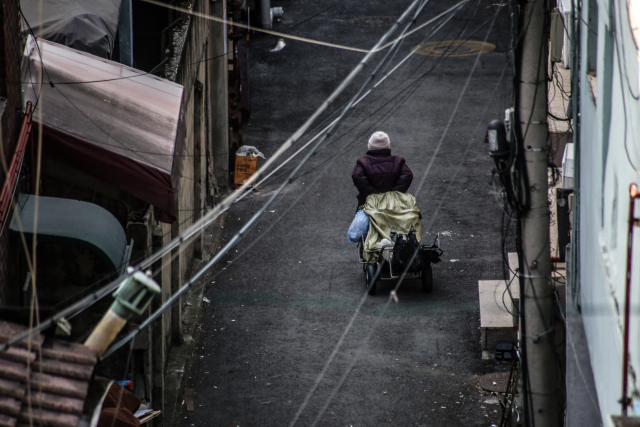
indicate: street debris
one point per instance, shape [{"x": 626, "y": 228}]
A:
[
  {"x": 277, "y": 12},
  {"x": 207, "y": 300},
  {"x": 492, "y": 400},
  {"x": 189, "y": 399},
  {"x": 279, "y": 46}
]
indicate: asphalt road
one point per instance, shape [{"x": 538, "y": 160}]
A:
[{"x": 289, "y": 333}]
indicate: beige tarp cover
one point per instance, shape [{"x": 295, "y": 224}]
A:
[{"x": 388, "y": 209}]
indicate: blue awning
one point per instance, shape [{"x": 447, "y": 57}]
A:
[{"x": 75, "y": 222}]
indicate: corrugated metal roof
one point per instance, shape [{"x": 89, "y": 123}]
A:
[{"x": 43, "y": 381}]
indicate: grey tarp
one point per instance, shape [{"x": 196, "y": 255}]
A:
[
  {"x": 87, "y": 25},
  {"x": 72, "y": 221},
  {"x": 392, "y": 208}
]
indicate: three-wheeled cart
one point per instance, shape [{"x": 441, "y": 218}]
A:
[{"x": 380, "y": 268}]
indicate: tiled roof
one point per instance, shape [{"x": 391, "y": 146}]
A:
[{"x": 42, "y": 382}]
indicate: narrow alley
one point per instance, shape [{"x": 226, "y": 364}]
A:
[{"x": 288, "y": 335}]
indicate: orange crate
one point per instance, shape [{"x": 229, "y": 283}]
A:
[{"x": 245, "y": 167}]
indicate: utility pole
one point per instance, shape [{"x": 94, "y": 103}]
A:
[{"x": 541, "y": 392}]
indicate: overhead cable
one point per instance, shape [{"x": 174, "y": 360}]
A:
[
  {"x": 387, "y": 74},
  {"x": 382, "y": 79},
  {"x": 254, "y": 218},
  {"x": 199, "y": 225},
  {"x": 385, "y": 307}
]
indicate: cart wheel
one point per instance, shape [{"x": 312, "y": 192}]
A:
[
  {"x": 369, "y": 282},
  {"x": 427, "y": 277}
]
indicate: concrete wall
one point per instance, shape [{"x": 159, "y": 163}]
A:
[
  {"x": 609, "y": 158},
  {"x": 203, "y": 173}
]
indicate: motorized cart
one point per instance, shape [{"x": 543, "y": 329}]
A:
[
  {"x": 394, "y": 220},
  {"x": 384, "y": 267}
]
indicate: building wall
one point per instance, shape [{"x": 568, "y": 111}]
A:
[
  {"x": 609, "y": 157},
  {"x": 205, "y": 115},
  {"x": 10, "y": 90},
  {"x": 10, "y": 59},
  {"x": 219, "y": 95}
]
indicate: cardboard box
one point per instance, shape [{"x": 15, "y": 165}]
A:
[{"x": 245, "y": 167}]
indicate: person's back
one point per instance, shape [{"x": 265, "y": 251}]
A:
[{"x": 379, "y": 171}]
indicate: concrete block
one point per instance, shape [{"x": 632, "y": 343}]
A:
[{"x": 496, "y": 323}]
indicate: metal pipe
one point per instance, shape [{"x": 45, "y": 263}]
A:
[
  {"x": 6, "y": 194},
  {"x": 624, "y": 400},
  {"x": 265, "y": 13}
]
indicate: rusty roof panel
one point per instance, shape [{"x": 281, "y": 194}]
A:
[
  {"x": 70, "y": 352},
  {"x": 56, "y": 402},
  {"x": 12, "y": 389},
  {"x": 69, "y": 370},
  {"x": 58, "y": 374},
  {"x": 7, "y": 421},
  {"x": 59, "y": 385},
  {"x": 13, "y": 371},
  {"x": 18, "y": 354},
  {"x": 42, "y": 417},
  {"x": 9, "y": 330},
  {"x": 10, "y": 406}
]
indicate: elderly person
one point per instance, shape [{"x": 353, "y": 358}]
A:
[{"x": 379, "y": 171}]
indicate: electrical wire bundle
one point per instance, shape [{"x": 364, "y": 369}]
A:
[
  {"x": 516, "y": 199},
  {"x": 324, "y": 134}
]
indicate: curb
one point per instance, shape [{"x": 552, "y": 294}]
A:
[{"x": 179, "y": 355}]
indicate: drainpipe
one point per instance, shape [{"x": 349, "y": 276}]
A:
[
  {"x": 10, "y": 182},
  {"x": 634, "y": 193},
  {"x": 132, "y": 297},
  {"x": 265, "y": 9}
]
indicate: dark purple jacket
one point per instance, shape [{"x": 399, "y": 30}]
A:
[{"x": 379, "y": 172}]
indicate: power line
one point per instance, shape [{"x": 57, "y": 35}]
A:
[
  {"x": 386, "y": 75},
  {"x": 151, "y": 162},
  {"x": 188, "y": 64},
  {"x": 253, "y": 219},
  {"x": 400, "y": 281},
  {"x": 412, "y": 87},
  {"x": 221, "y": 253},
  {"x": 197, "y": 227},
  {"x": 232, "y": 23},
  {"x": 100, "y": 281}
]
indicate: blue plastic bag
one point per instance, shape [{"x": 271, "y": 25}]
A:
[{"x": 359, "y": 227}]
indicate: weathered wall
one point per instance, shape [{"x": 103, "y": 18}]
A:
[
  {"x": 609, "y": 159},
  {"x": 205, "y": 115},
  {"x": 10, "y": 58},
  {"x": 219, "y": 97}
]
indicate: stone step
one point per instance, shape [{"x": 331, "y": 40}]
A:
[{"x": 496, "y": 321}]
